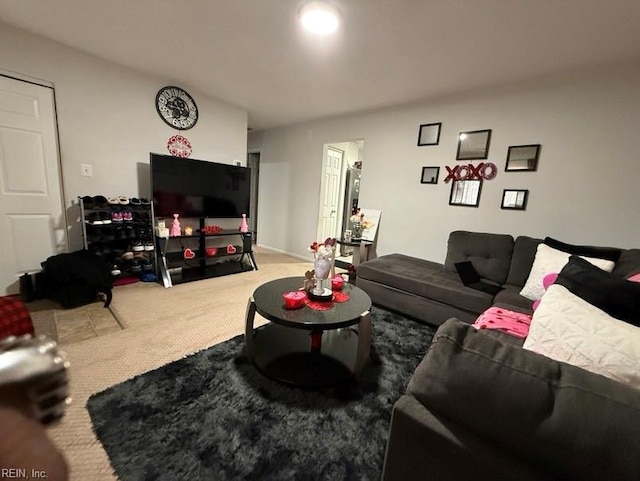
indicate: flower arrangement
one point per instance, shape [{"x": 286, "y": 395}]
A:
[
  {"x": 323, "y": 265},
  {"x": 324, "y": 250},
  {"x": 359, "y": 223},
  {"x": 358, "y": 217}
]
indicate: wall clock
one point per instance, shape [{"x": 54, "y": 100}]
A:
[{"x": 176, "y": 107}]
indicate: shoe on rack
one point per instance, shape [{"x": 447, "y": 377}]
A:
[
  {"x": 127, "y": 255},
  {"x": 115, "y": 270},
  {"x": 136, "y": 266},
  {"x": 148, "y": 277},
  {"x": 116, "y": 216},
  {"x": 123, "y": 200},
  {"x": 137, "y": 246},
  {"x": 148, "y": 246},
  {"x": 105, "y": 217},
  {"x": 112, "y": 200},
  {"x": 108, "y": 233},
  {"x": 93, "y": 234},
  {"x": 127, "y": 216},
  {"x": 100, "y": 201},
  {"x": 87, "y": 202},
  {"x": 93, "y": 218},
  {"x": 147, "y": 265},
  {"x": 134, "y": 201},
  {"x": 144, "y": 201}
]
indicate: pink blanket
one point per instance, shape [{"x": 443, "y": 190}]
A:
[{"x": 514, "y": 323}]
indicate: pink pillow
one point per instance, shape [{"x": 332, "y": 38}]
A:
[
  {"x": 634, "y": 278},
  {"x": 549, "y": 279},
  {"x": 546, "y": 282}
]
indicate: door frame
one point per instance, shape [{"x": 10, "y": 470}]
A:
[
  {"x": 324, "y": 186},
  {"x": 341, "y": 191},
  {"x": 50, "y": 85},
  {"x": 253, "y": 209}
]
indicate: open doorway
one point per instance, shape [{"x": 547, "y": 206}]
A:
[
  {"x": 253, "y": 162},
  {"x": 339, "y": 190}
]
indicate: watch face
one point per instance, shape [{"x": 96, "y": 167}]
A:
[{"x": 177, "y": 108}]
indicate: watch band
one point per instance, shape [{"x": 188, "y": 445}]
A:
[{"x": 40, "y": 369}]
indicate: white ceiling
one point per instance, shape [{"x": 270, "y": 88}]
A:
[{"x": 252, "y": 53}]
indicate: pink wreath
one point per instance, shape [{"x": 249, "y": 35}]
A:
[{"x": 179, "y": 146}]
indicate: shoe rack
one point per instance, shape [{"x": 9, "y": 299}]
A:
[{"x": 120, "y": 230}]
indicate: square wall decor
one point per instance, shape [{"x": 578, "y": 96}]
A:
[
  {"x": 429, "y": 134},
  {"x": 430, "y": 175}
]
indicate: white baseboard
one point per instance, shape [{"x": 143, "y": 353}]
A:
[{"x": 308, "y": 258}]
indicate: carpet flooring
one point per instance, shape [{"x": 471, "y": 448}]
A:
[{"x": 211, "y": 415}]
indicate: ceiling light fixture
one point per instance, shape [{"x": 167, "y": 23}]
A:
[{"x": 319, "y": 17}]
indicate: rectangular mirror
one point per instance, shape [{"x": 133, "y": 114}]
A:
[
  {"x": 465, "y": 192},
  {"x": 473, "y": 145},
  {"x": 429, "y": 134},
  {"x": 523, "y": 158},
  {"x": 514, "y": 199},
  {"x": 430, "y": 175}
]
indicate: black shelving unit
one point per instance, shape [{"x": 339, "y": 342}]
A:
[
  {"x": 175, "y": 269},
  {"x": 112, "y": 240}
]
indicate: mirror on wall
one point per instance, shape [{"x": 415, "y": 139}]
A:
[
  {"x": 514, "y": 199},
  {"x": 465, "y": 192},
  {"x": 473, "y": 145},
  {"x": 429, "y": 134},
  {"x": 522, "y": 158},
  {"x": 430, "y": 175}
]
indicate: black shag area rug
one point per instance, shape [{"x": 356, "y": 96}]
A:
[{"x": 213, "y": 416}]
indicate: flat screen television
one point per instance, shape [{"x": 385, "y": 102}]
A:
[{"x": 197, "y": 188}]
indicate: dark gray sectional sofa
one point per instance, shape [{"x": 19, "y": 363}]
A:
[
  {"x": 432, "y": 292},
  {"x": 479, "y": 406}
]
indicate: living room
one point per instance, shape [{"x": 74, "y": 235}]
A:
[{"x": 583, "y": 114}]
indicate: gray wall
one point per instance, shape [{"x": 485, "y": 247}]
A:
[
  {"x": 107, "y": 118},
  {"x": 585, "y": 189}
]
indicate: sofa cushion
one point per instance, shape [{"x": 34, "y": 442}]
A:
[
  {"x": 615, "y": 295},
  {"x": 567, "y": 328},
  {"x": 490, "y": 254},
  {"x": 510, "y": 298},
  {"x": 628, "y": 264},
  {"x": 609, "y": 253},
  {"x": 424, "y": 278},
  {"x": 564, "y": 420},
  {"x": 524, "y": 252},
  {"x": 547, "y": 261}
]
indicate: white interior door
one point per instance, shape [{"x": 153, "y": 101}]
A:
[
  {"x": 330, "y": 194},
  {"x": 32, "y": 220}
]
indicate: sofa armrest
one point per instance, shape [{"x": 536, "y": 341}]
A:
[
  {"x": 421, "y": 447},
  {"x": 567, "y": 422}
]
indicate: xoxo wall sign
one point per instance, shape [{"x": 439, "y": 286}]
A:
[{"x": 484, "y": 170}]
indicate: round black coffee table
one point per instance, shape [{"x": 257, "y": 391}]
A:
[{"x": 307, "y": 347}]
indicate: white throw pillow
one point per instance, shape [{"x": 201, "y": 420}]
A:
[
  {"x": 567, "y": 328},
  {"x": 550, "y": 260}
]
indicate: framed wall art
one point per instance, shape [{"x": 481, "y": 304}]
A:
[
  {"x": 514, "y": 199},
  {"x": 522, "y": 158},
  {"x": 473, "y": 145},
  {"x": 429, "y": 134},
  {"x": 465, "y": 192},
  {"x": 430, "y": 175}
]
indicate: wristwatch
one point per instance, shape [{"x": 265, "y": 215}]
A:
[{"x": 35, "y": 366}]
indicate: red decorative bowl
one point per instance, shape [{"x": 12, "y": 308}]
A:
[{"x": 294, "y": 299}]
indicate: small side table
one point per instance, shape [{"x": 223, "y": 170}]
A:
[{"x": 361, "y": 249}]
